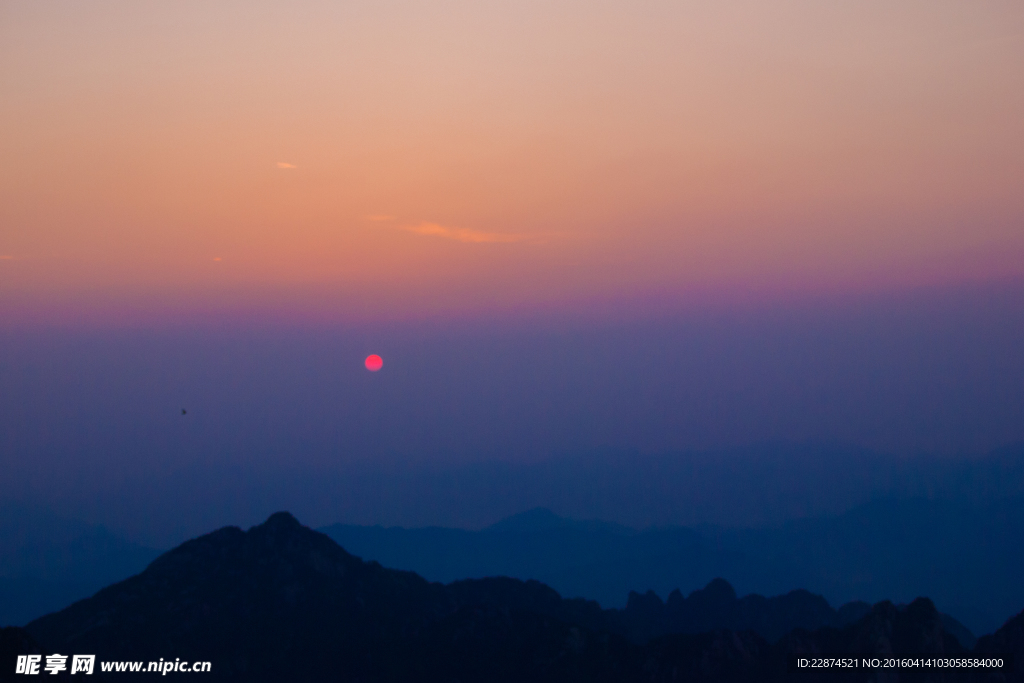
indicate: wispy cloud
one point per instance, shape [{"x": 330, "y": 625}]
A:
[
  {"x": 468, "y": 235},
  {"x": 284, "y": 164},
  {"x": 8, "y": 257},
  {"x": 380, "y": 218}
]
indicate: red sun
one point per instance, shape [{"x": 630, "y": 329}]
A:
[{"x": 373, "y": 363}]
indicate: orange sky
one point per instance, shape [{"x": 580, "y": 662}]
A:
[{"x": 409, "y": 157}]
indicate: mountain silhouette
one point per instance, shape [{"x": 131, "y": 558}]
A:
[
  {"x": 283, "y": 602},
  {"x": 48, "y": 562},
  {"x": 886, "y": 549},
  {"x": 16, "y": 641},
  {"x": 1008, "y": 639}
]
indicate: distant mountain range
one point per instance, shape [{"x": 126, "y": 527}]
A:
[
  {"x": 966, "y": 556},
  {"x": 47, "y": 562},
  {"x": 282, "y": 602}
]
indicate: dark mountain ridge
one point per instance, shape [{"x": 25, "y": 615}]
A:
[
  {"x": 966, "y": 556},
  {"x": 282, "y": 602}
]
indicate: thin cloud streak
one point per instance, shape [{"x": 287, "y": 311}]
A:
[
  {"x": 469, "y": 236},
  {"x": 284, "y": 164}
]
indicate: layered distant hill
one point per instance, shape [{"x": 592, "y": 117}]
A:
[
  {"x": 965, "y": 555},
  {"x": 47, "y": 562},
  {"x": 282, "y": 602}
]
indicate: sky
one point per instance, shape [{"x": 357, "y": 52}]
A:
[
  {"x": 595, "y": 419},
  {"x": 565, "y": 226},
  {"x": 364, "y": 160}
]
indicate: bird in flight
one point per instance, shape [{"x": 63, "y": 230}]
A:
[{"x": 183, "y": 411}]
